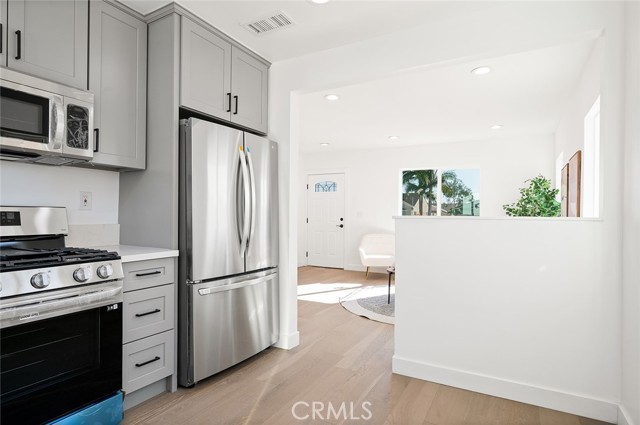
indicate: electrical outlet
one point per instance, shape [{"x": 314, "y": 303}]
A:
[{"x": 85, "y": 201}]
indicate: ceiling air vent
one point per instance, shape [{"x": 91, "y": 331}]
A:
[{"x": 273, "y": 21}]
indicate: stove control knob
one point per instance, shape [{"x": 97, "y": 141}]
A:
[
  {"x": 40, "y": 280},
  {"x": 82, "y": 274},
  {"x": 105, "y": 271}
]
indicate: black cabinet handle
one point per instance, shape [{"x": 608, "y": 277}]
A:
[
  {"x": 19, "y": 41},
  {"x": 229, "y": 101},
  {"x": 96, "y": 142},
  {"x": 340, "y": 225},
  {"x": 148, "y": 274},
  {"x": 157, "y": 310},
  {"x": 148, "y": 361},
  {"x": 1, "y": 36},
  {"x": 236, "y": 111}
]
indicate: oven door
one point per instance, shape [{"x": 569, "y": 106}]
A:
[
  {"x": 31, "y": 120},
  {"x": 54, "y": 366}
]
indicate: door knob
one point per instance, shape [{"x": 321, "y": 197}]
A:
[{"x": 340, "y": 225}]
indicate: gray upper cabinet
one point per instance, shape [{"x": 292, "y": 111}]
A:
[
  {"x": 249, "y": 83},
  {"x": 205, "y": 71},
  {"x": 49, "y": 39},
  {"x": 220, "y": 79},
  {"x": 118, "y": 78}
]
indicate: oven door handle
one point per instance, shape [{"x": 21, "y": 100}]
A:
[{"x": 29, "y": 311}]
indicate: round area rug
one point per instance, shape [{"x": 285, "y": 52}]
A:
[{"x": 371, "y": 302}]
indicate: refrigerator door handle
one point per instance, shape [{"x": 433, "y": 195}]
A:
[
  {"x": 236, "y": 285},
  {"x": 253, "y": 197},
  {"x": 247, "y": 206}
]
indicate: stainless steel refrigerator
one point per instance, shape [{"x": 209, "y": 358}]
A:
[{"x": 228, "y": 274}]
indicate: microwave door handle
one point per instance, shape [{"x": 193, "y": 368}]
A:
[{"x": 252, "y": 179}]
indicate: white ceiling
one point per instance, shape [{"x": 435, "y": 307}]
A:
[
  {"x": 317, "y": 27},
  {"x": 526, "y": 93}
]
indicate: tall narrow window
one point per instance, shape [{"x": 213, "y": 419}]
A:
[{"x": 591, "y": 163}]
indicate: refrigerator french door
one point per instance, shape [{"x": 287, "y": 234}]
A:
[{"x": 229, "y": 248}]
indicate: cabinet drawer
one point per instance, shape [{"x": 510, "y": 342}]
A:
[
  {"x": 147, "y": 361},
  {"x": 147, "y": 312},
  {"x": 145, "y": 274}
]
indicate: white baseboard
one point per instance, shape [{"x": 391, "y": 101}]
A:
[
  {"x": 623, "y": 417},
  {"x": 602, "y": 410},
  {"x": 287, "y": 342}
]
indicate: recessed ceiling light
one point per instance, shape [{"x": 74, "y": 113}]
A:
[
  {"x": 332, "y": 97},
  {"x": 324, "y": 144},
  {"x": 481, "y": 70},
  {"x": 496, "y": 127},
  {"x": 319, "y": 1},
  {"x": 393, "y": 137}
]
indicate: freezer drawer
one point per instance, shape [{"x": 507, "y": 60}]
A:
[{"x": 232, "y": 320}]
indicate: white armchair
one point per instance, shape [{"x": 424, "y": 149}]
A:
[{"x": 377, "y": 250}]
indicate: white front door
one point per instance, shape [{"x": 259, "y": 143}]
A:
[{"x": 326, "y": 220}]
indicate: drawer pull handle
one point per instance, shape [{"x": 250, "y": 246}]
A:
[
  {"x": 157, "y": 310},
  {"x": 147, "y": 362},
  {"x": 148, "y": 274}
]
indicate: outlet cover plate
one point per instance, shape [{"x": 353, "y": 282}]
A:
[{"x": 85, "y": 201}]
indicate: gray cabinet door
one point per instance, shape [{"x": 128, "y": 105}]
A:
[
  {"x": 3, "y": 32},
  {"x": 118, "y": 78},
  {"x": 49, "y": 39},
  {"x": 205, "y": 77},
  {"x": 249, "y": 84}
]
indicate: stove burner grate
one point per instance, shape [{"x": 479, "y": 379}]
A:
[{"x": 14, "y": 259}]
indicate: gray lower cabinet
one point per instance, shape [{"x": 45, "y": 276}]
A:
[
  {"x": 148, "y": 329},
  {"x": 221, "y": 80},
  {"x": 49, "y": 39},
  {"x": 118, "y": 78}
]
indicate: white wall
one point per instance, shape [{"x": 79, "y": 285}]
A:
[
  {"x": 525, "y": 309},
  {"x": 631, "y": 234},
  {"x": 374, "y": 183},
  {"x": 570, "y": 132},
  {"x": 42, "y": 185},
  {"x": 508, "y": 27}
]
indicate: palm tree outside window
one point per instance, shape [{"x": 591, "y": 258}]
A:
[{"x": 435, "y": 192}]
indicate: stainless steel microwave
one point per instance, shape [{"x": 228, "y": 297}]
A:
[{"x": 44, "y": 122}]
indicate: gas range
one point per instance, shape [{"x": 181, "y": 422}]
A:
[
  {"x": 30, "y": 270},
  {"x": 41, "y": 277},
  {"x": 60, "y": 318}
]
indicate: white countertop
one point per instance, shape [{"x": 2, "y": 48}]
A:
[{"x": 130, "y": 253}]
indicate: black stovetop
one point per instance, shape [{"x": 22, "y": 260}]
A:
[{"x": 21, "y": 258}]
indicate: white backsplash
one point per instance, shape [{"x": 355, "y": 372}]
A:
[{"x": 87, "y": 235}]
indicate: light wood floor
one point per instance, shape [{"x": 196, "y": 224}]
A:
[{"x": 341, "y": 358}]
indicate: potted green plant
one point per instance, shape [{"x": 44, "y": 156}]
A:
[{"x": 537, "y": 200}]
